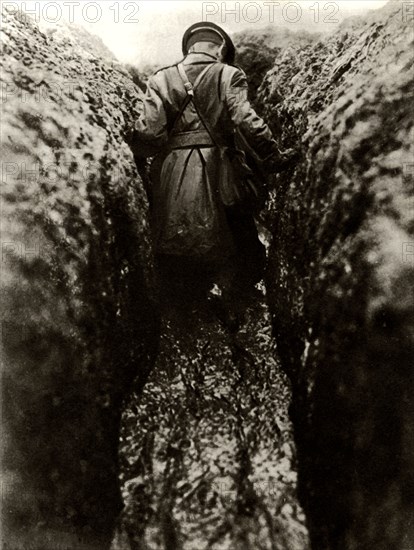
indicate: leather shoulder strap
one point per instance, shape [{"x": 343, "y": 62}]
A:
[
  {"x": 189, "y": 88},
  {"x": 190, "y": 96},
  {"x": 187, "y": 84}
]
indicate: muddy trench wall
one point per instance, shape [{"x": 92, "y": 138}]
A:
[
  {"x": 79, "y": 316},
  {"x": 340, "y": 275},
  {"x": 78, "y": 329}
]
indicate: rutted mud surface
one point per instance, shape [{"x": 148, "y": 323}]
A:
[{"x": 207, "y": 455}]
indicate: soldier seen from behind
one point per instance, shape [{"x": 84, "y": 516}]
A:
[{"x": 211, "y": 155}]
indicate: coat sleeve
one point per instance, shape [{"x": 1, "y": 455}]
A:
[
  {"x": 253, "y": 129},
  {"x": 150, "y": 130}
]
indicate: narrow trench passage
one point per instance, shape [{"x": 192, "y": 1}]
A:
[{"x": 207, "y": 452}]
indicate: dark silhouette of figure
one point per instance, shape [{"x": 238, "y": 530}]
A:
[{"x": 196, "y": 114}]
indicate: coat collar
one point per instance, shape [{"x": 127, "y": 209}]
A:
[{"x": 199, "y": 57}]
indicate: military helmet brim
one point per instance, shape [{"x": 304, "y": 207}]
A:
[{"x": 207, "y": 25}]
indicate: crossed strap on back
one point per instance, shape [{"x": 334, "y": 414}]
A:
[{"x": 190, "y": 88}]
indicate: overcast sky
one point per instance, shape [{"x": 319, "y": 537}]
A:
[{"x": 150, "y": 31}]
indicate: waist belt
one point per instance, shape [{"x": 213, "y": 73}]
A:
[{"x": 196, "y": 138}]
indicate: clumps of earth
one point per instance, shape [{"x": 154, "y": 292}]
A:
[
  {"x": 152, "y": 420},
  {"x": 207, "y": 452}
]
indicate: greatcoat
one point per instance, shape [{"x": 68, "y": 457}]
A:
[{"x": 190, "y": 159}]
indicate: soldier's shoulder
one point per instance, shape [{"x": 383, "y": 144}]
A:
[
  {"x": 235, "y": 74},
  {"x": 233, "y": 69},
  {"x": 236, "y": 67},
  {"x": 166, "y": 68}
]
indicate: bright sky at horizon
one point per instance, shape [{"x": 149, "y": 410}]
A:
[{"x": 149, "y": 31}]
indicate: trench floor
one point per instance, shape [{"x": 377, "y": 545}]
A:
[{"x": 207, "y": 451}]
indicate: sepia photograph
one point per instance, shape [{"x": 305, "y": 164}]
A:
[{"x": 207, "y": 275}]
